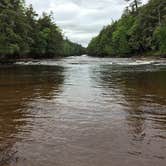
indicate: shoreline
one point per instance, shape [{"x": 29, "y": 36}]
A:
[{"x": 13, "y": 61}]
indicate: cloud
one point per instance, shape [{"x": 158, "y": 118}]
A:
[{"x": 81, "y": 20}]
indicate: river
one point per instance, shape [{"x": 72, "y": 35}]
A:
[{"x": 83, "y": 111}]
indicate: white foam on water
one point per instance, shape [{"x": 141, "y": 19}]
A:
[
  {"x": 27, "y": 63},
  {"x": 85, "y": 60},
  {"x": 136, "y": 63}
]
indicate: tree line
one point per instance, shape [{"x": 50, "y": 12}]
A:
[
  {"x": 140, "y": 31},
  {"x": 23, "y": 34}
]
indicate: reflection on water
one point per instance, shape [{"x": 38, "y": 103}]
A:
[
  {"x": 83, "y": 111},
  {"x": 20, "y": 85}
]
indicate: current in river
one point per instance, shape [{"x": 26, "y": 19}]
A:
[{"x": 83, "y": 111}]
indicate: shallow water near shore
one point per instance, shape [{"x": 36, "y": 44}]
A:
[{"x": 83, "y": 111}]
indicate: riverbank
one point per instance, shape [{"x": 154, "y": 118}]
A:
[
  {"x": 10, "y": 61},
  {"x": 135, "y": 56},
  {"x": 7, "y": 61}
]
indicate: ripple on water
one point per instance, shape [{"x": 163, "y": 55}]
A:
[{"x": 83, "y": 111}]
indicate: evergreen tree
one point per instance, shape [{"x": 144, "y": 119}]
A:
[
  {"x": 23, "y": 35},
  {"x": 140, "y": 32},
  {"x": 134, "y": 4}
]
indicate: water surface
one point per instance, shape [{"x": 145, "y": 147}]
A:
[{"x": 82, "y": 111}]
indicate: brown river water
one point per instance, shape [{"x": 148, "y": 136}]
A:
[{"x": 83, "y": 111}]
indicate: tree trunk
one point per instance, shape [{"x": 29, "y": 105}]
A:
[{"x": 136, "y": 4}]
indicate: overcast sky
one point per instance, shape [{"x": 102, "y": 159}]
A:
[{"x": 81, "y": 20}]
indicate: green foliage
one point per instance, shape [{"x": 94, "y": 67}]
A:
[
  {"x": 136, "y": 32},
  {"x": 120, "y": 36},
  {"x": 160, "y": 38},
  {"x": 23, "y": 34},
  {"x": 72, "y": 49},
  {"x": 48, "y": 41}
]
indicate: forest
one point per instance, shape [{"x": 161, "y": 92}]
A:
[
  {"x": 24, "y": 34},
  {"x": 140, "y": 31}
]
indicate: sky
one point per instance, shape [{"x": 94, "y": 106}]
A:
[{"x": 80, "y": 20}]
